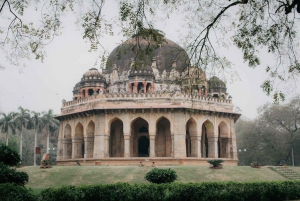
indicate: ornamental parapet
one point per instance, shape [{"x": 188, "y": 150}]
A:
[{"x": 146, "y": 100}]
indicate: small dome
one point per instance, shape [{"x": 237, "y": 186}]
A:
[
  {"x": 93, "y": 72},
  {"x": 216, "y": 82}
]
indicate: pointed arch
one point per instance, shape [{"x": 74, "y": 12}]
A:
[
  {"x": 223, "y": 140},
  {"x": 79, "y": 130},
  {"x": 139, "y": 139},
  {"x": 77, "y": 142},
  {"x": 112, "y": 120},
  {"x": 68, "y": 131},
  {"x": 191, "y": 138},
  {"x": 163, "y": 141},
  {"x": 207, "y": 132},
  {"x": 67, "y": 142},
  {"x": 91, "y": 128},
  {"x": 116, "y": 142},
  {"x": 89, "y": 140}
]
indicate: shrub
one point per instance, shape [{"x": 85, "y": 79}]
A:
[
  {"x": 9, "y": 175},
  {"x": 255, "y": 165},
  {"x": 216, "y": 163},
  {"x": 9, "y": 156},
  {"x": 14, "y": 192},
  {"x": 159, "y": 176}
]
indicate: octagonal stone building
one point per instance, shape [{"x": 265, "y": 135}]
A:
[{"x": 164, "y": 113}]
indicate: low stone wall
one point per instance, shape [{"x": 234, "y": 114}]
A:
[{"x": 145, "y": 162}]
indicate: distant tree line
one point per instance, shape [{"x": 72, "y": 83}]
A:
[
  {"x": 272, "y": 137},
  {"x": 29, "y": 129}
]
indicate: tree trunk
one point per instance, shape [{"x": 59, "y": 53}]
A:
[
  {"x": 47, "y": 139},
  {"x": 6, "y": 138},
  {"x": 34, "y": 152},
  {"x": 21, "y": 140}
]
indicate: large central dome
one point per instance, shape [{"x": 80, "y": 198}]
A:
[{"x": 165, "y": 55}]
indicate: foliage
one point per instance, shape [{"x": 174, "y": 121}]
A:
[
  {"x": 273, "y": 135},
  {"x": 252, "y": 25},
  {"x": 178, "y": 191},
  {"x": 31, "y": 127},
  {"x": 216, "y": 162},
  {"x": 9, "y": 156},
  {"x": 161, "y": 175},
  {"x": 9, "y": 175},
  {"x": 14, "y": 192}
]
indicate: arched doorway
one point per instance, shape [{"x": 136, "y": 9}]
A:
[
  {"x": 191, "y": 138},
  {"x": 143, "y": 147},
  {"x": 139, "y": 140},
  {"x": 223, "y": 141},
  {"x": 163, "y": 141},
  {"x": 77, "y": 141},
  {"x": 89, "y": 140},
  {"x": 207, "y": 150},
  {"x": 116, "y": 148}
]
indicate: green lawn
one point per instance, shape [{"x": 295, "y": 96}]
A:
[{"x": 57, "y": 176}]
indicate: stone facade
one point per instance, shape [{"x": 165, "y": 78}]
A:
[{"x": 124, "y": 115}]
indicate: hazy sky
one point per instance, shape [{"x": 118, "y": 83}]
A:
[{"x": 42, "y": 86}]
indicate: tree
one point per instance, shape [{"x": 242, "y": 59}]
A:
[
  {"x": 252, "y": 25},
  {"x": 50, "y": 124},
  {"x": 37, "y": 124},
  {"x": 22, "y": 121},
  {"x": 6, "y": 124},
  {"x": 273, "y": 135}
]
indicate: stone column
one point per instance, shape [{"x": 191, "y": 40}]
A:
[
  {"x": 233, "y": 140},
  {"x": 86, "y": 92},
  {"x": 152, "y": 87},
  {"x": 76, "y": 148},
  {"x": 60, "y": 147},
  {"x": 106, "y": 146},
  {"x": 127, "y": 145},
  {"x": 130, "y": 88},
  {"x": 199, "y": 146},
  {"x": 199, "y": 90},
  {"x": 152, "y": 145},
  {"x": 205, "y": 92},
  {"x": 88, "y": 147},
  {"x": 145, "y": 87},
  {"x": 213, "y": 147},
  {"x": 194, "y": 146},
  {"x": 135, "y": 87},
  {"x": 67, "y": 149}
]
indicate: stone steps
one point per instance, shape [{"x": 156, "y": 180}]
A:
[{"x": 286, "y": 172}]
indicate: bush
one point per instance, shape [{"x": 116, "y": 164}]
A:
[
  {"x": 14, "y": 192},
  {"x": 159, "y": 176},
  {"x": 9, "y": 175},
  {"x": 225, "y": 191},
  {"x": 9, "y": 156},
  {"x": 216, "y": 163}
]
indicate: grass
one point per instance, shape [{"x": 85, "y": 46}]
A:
[{"x": 57, "y": 176}]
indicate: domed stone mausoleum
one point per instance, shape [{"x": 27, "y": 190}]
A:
[{"x": 164, "y": 112}]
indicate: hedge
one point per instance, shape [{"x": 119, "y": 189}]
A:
[
  {"x": 14, "y": 192},
  {"x": 281, "y": 190}
]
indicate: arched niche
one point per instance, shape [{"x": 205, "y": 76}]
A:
[
  {"x": 91, "y": 128},
  {"x": 191, "y": 139},
  {"x": 116, "y": 148},
  {"x": 68, "y": 132},
  {"x": 139, "y": 128},
  {"x": 67, "y": 142},
  {"x": 163, "y": 141}
]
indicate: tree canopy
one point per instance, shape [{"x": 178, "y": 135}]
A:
[{"x": 254, "y": 26}]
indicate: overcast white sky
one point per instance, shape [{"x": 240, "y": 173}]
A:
[{"x": 42, "y": 86}]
